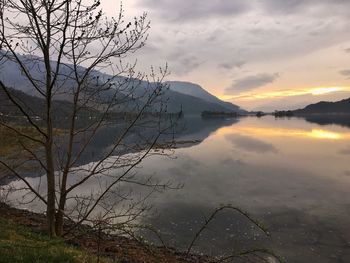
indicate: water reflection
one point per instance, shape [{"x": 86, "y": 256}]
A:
[
  {"x": 187, "y": 129},
  {"x": 342, "y": 120},
  {"x": 292, "y": 174},
  {"x": 345, "y": 151},
  {"x": 250, "y": 144},
  {"x": 273, "y": 132}
]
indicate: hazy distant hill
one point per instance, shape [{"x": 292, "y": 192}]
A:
[
  {"x": 323, "y": 107},
  {"x": 190, "y": 97},
  {"x": 191, "y": 104},
  {"x": 197, "y": 91}
]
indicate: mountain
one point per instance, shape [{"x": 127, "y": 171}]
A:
[
  {"x": 197, "y": 91},
  {"x": 323, "y": 107},
  {"x": 35, "y": 106},
  {"x": 191, "y": 98},
  {"x": 191, "y": 104}
]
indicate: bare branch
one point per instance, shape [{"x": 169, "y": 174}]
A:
[{"x": 212, "y": 217}]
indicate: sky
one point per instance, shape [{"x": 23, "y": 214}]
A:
[{"x": 258, "y": 54}]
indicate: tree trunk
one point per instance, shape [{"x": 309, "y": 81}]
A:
[
  {"x": 51, "y": 196},
  {"x": 60, "y": 214}
]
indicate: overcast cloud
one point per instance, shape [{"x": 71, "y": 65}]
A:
[
  {"x": 345, "y": 72},
  {"x": 226, "y": 45},
  {"x": 251, "y": 82},
  {"x": 189, "y": 10}
]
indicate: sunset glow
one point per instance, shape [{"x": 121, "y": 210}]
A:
[
  {"x": 286, "y": 93},
  {"x": 324, "y": 134},
  {"x": 320, "y": 134},
  {"x": 326, "y": 90}
]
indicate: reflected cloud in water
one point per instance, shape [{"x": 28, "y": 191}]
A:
[
  {"x": 345, "y": 151},
  {"x": 250, "y": 144}
]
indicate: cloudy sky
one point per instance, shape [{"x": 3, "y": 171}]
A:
[{"x": 259, "y": 54}]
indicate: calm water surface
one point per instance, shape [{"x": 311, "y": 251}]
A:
[{"x": 291, "y": 174}]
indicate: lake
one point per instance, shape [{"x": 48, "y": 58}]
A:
[{"x": 291, "y": 174}]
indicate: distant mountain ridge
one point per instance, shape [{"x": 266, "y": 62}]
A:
[
  {"x": 191, "y": 98},
  {"x": 323, "y": 107},
  {"x": 196, "y": 90},
  {"x": 34, "y": 106}
]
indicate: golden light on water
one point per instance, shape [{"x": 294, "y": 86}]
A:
[
  {"x": 323, "y": 134},
  {"x": 320, "y": 134}
]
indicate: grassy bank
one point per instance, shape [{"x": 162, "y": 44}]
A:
[
  {"x": 21, "y": 244},
  {"x": 23, "y": 239}
]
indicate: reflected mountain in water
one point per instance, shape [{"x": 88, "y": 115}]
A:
[
  {"x": 342, "y": 120},
  {"x": 189, "y": 131}
]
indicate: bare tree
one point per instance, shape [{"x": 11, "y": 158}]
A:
[{"x": 61, "y": 47}]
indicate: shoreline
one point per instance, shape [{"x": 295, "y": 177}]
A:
[{"x": 110, "y": 246}]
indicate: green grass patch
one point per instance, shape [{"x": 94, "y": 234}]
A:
[{"x": 20, "y": 244}]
